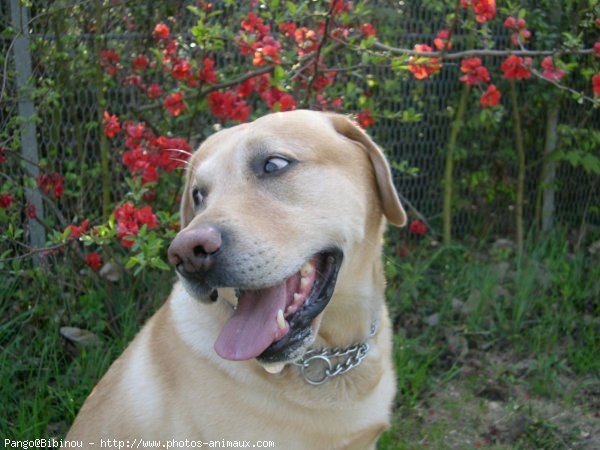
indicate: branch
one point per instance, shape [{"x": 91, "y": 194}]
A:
[
  {"x": 235, "y": 82},
  {"x": 215, "y": 87},
  {"x": 481, "y": 52},
  {"x": 34, "y": 251},
  {"x": 562, "y": 86},
  {"x": 318, "y": 54}
]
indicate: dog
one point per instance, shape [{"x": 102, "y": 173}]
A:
[{"x": 277, "y": 331}]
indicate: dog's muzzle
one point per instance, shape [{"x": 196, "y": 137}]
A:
[{"x": 272, "y": 323}]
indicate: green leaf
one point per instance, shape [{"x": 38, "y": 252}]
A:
[
  {"x": 292, "y": 9},
  {"x": 132, "y": 262},
  {"x": 278, "y": 75}
]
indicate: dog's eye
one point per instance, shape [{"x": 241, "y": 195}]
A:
[
  {"x": 275, "y": 163},
  {"x": 197, "y": 197}
]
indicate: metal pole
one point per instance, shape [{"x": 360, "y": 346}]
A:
[{"x": 29, "y": 147}]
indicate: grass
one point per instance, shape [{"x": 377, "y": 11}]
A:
[
  {"x": 496, "y": 352},
  {"x": 490, "y": 351}
]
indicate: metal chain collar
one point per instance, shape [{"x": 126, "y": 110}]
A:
[{"x": 311, "y": 360}]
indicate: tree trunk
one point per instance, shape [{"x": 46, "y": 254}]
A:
[{"x": 449, "y": 168}]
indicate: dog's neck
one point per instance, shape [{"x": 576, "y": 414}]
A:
[
  {"x": 318, "y": 365},
  {"x": 357, "y": 302}
]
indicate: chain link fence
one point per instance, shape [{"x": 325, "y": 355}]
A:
[{"x": 67, "y": 136}]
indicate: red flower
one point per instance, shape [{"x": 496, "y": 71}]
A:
[
  {"x": 207, "y": 74},
  {"x": 109, "y": 60},
  {"x": 111, "y": 125},
  {"x": 94, "y": 260},
  {"x": 288, "y": 28},
  {"x": 170, "y": 49},
  {"x": 519, "y": 25},
  {"x": 254, "y": 24},
  {"x": 133, "y": 80},
  {"x": 149, "y": 174},
  {"x": 484, "y": 9},
  {"x": 513, "y": 67},
  {"x": 510, "y": 22},
  {"x": 2, "y": 155},
  {"x": 267, "y": 50},
  {"x": 153, "y": 91},
  {"x": 161, "y": 31},
  {"x": 140, "y": 62},
  {"x": 130, "y": 220},
  {"x": 226, "y": 105},
  {"x": 306, "y": 40},
  {"x": 174, "y": 104},
  {"x": 145, "y": 216},
  {"x": 520, "y": 37},
  {"x": 337, "y": 104},
  {"x": 368, "y": 30},
  {"x": 491, "y": 97},
  {"x": 78, "y": 231},
  {"x": 30, "y": 211},
  {"x": 5, "y": 200},
  {"x": 422, "y": 67},
  {"x": 365, "y": 118},
  {"x": 171, "y": 152},
  {"x": 474, "y": 72},
  {"x": 596, "y": 83},
  {"x": 417, "y": 227},
  {"x": 597, "y": 49},
  {"x": 51, "y": 183},
  {"x": 442, "y": 40},
  {"x": 181, "y": 69},
  {"x": 287, "y": 103},
  {"x": 338, "y": 7},
  {"x": 322, "y": 81},
  {"x": 550, "y": 71}
]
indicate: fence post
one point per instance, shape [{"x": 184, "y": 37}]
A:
[
  {"x": 549, "y": 174},
  {"x": 26, "y": 108}
]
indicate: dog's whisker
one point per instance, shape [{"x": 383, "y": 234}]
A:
[
  {"x": 184, "y": 161},
  {"x": 185, "y": 152}
]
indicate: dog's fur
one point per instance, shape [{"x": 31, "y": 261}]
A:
[{"x": 170, "y": 384}]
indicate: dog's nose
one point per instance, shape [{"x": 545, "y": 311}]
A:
[{"x": 193, "y": 250}]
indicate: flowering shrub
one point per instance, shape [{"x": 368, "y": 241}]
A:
[
  {"x": 291, "y": 57},
  {"x": 184, "y": 80},
  {"x": 424, "y": 62}
]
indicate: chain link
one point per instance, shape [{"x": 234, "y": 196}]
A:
[{"x": 353, "y": 355}]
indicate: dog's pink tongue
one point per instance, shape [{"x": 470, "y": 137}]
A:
[{"x": 253, "y": 325}]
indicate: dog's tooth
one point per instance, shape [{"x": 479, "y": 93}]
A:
[
  {"x": 291, "y": 309},
  {"x": 298, "y": 298},
  {"x": 274, "y": 367},
  {"x": 306, "y": 269},
  {"x": 281, "y": 320},
  {"x": 303, "y": 282}
]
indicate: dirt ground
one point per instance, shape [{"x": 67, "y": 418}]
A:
[{"x": 494, "y": 408}]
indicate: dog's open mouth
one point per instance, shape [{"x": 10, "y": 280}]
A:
[{"x": 275, "y": 323}]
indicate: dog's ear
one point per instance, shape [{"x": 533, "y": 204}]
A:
[{"x": 392, "y": 208}]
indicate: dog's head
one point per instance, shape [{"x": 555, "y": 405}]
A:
[{"x": 272, "y": 209}]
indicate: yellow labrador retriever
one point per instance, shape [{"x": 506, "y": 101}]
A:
[{"x": 277, "y": 332}]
